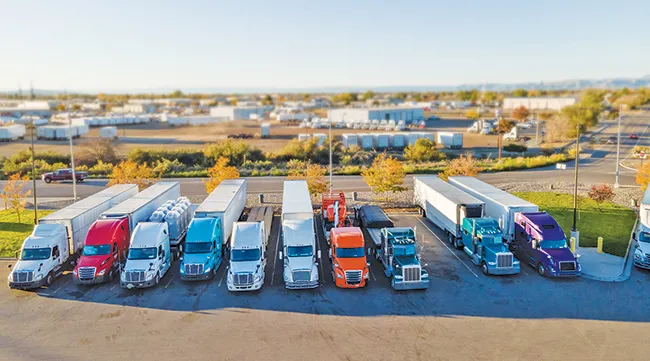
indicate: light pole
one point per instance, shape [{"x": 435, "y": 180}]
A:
[
  {"x": 329, "y": 119},
  {"x": 618, "y": 144},
  {"x": 574, "y": 231},
  {"x": 74, "y": 177},
  {"x": 34, "y": 175}
]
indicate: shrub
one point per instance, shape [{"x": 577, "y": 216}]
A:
[
  {"x": 96, "y": 151},
  {"x": 515, "y": 148},
  {"x": 237, "y": 152},
  {"x": 601, "y": 193},
  {"x": 547, "y": 151},
  {"x": 100, "y": 168},
  {"x": 385, "y": 175},
  {"x": 464, "y": 165},
  {"x": 188, "y": 157},
  {"x": 424, "y": 150},
  {"x": 309, "y": 151}
]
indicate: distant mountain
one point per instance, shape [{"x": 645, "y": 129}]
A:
[{"x": 575, "y": 84}]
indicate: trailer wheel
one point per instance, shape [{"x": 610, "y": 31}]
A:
[
  {"x": 484, "y": 268},
  {"x": 49, "y": 279},
  {"x": 450, "y": 238}
]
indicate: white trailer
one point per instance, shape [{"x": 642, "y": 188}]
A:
[
  {"x": 265, "y": 130},
  {"x": 12, "y": 132},
  {"x": 59, "y": 237},
  {"x": 450, "y": 140},
  {"x": 382, "y": 140},
  {"x": 227, "y": 203},
  {"x": 108, "y": 132},
  {"x": 397, "y": 141},
  {"x": 499, "y": 204},
  {"x": 367, "y": 141},
  {"x": 350, "y": 140},
  {"x": 445, "y": 205},
  {"x": 411, "y": 138},
  {"x": 263, "y": 215}
]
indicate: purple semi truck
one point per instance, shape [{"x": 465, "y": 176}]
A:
[{"x": 540, "y": 242}]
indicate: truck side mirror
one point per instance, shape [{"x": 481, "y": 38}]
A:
[
  {"x": 280, "y": 255},
  {"x": 9, "y": 265},
  {"x": 535, "y": 244}
]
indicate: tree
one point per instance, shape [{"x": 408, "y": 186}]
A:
[
  {"x": 220, "y": 171},
  {"x": 129, "y": 172},
  {"x": 345, "y": 98},
  {"x": 556, "y": 128},
  {"x": 545, "y": 115},
  {"x": 267, "y": 100},
  {"x": 519, "y": 93},
  {"x": 424, "y": 150},
  {"x": 401, "y": 95},
  {"x": 601, "y": 193},
  {"x": 60, "y": 107},
  {"x": 237, "y": 152},
  {"x": 93, "y": 152},
  {"x": 473, "y": 96},
  {"x": 643, "y": 176},
  {"x": 464, "y": 95},
  {"x": 368, "y": 95},
  {"x": 489, "y": 97},
  {"x": 13, "y": 195},
  {"x": 503, "y": 126},
  {"x": 385, "y": 175},
  {"x": 76, "y": 107},
  {"x": 472, "y": 114},
  {"x": 465, "y": 165},
  {"x": 314, "y": 174},
  {"x": 176, "y": 94},
  {"x": 521, "y": 113}
]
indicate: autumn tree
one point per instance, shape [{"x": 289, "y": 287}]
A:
[
  {"x": 424, "y": 150},
  {"x": 314, "y": 174},
  {"x": 13, "y": 195},
  {"x": 93, "y": 152},
  {"x": 385, "y": 175},
  {"x": 220, "y": 171},
  {"x": 472, "y": 114},
  {"x": 129, "y": 172},
  {"x": 519, "y": 93},
  {"x": 545, "y": 115},
  {"x": 521, "y": 113},
  {"x": 368, "y": 95},
  {"x": 465, "y": 165},
  {"x": 601, "y": 193},
  {"x": 488, "y": 97},
  {"x": 60, "y": 107},
  {"x": 643, "y": 176},
  {"x": 503, "y": 126}
]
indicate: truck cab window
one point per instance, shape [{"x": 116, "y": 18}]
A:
[{"x": 55, "y": 251}]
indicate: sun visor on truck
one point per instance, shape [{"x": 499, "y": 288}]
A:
[{"x": 374, "y": 217}]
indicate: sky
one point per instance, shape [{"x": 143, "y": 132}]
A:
[{"x": 129, "y": 45}]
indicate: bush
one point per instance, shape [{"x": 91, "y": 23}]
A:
[
  {"x": 505, "y": 164},
  {"x": 515, "y": 148},
  {"x": 424, "y": 150},
  {"x": 547, "y": 151},
  {"x": 236, "y": 151},
  {"x": 188, "y": 157},
  {"x": 465, "y": 165},
  {"x": 601, "y": 193},
  {"x": 309, "y": 151}
]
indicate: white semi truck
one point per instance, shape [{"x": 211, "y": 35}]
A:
[
  {"x": 298, "y": 237},
  {"x": 642, "y": 233},
  {"x": 59, "y": 237},
  {"x": 150, "y": 256}
]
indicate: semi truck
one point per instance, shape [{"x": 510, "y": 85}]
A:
[
  {"x": 499, "y": 204},
  {"x": 540, "y": 242},
  {"x": 348, "y": 255},
  {"x": 333, "y": 211},
  {"x": 395, "y": 248},
  {"x": 641, "y": 234},
  {"x": 213, "y": 222},
  {"x": 150, "y": 256},
  {"x": 57, "y": 240},
  {"x": 115, "y": 226},
  {"x": 445, "y": 206},
  {"x": 482, "y": 240},
  {"x": 248, "y": 250},
  {"x": 299, "y": 251}
]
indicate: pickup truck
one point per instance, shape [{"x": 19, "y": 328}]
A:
[{"x": 63, "y": 175}]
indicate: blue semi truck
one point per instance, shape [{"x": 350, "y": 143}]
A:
[{"x": 482, "y": 240}]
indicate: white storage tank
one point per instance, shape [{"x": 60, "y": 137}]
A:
[
  {"x": 397, "y": 140},
  {"x": 108, "y": 132},
  {"x": 350, "y": 140},
  {"x": 367, "y": 141},
  {"x": 382, "y": 140}
]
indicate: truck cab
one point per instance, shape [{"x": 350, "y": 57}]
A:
[
  {"x": 149, "y": 256},
  {"x": 540, "y": 242},
  {"x": 104, "y": 252},
  {"x": 398, "y": 253},
  {"x": 483, "y": 241},
  {"x": 247, "y": 260},
  {"x": 42, "y": 257},
  {"x": 349, "y": 264},
  {"x": 203, "y": 254},
  {"x": 333, "y": 211},
  {"x": 641, "y": 234},
  {"x": 299, "y": 246}
]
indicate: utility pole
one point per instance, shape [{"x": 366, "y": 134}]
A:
[
  {"x": 33, "y": 129},
  {"x": 618, "y": 144},
  {"x": 329, "y": 119},
  {"x": 574, "y": 231},
  {"x": 74, "y": 177}
]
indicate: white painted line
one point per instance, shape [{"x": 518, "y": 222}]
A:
[
  {"x": 275, "y": 255},
  {"x": 171, "y": 277},
  {"x": 320, "y": 260},
  {"x": 444, "y": 244},
  {"x": 372, "y": 274},
  {"x": 60, "y": 287},
  {"x": 115, "y": 285},
  {"x": 221, "y": 279}
]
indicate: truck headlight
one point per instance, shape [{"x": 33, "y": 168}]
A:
[
  {"x": 182, "y": 269},
  {"x": 258, "y": 278},
  {"x": 492, "y": 263},
  {"x": 338, "y": 275},
  {"x": 39, "y": 277},
  {"x": 638, "y": 253},
  {"x": 10, "y": 278},
  {"x": 102, "y": 272},
  {"x": 207, "y": 270},
  {"x": 398, "y": 277},
  {"x": 150, "y": 275}
]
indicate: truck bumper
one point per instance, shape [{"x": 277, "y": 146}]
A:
[
  {"x": 89, "y": 281},
  {"x": 564, "y": 274},
  {"x": 300, "y": 285},
  {"x": 500, "y": 271},
  {"x": 254, "y": 287},
  {"x": 404, "y": 286},
  {"x": 132, "y": 285},
  {"x": 341, "y": 283},
  {"x": 642, "y": 262},
  {"x": 26, "y": 285},
  {"x": 201, "y": 277}
]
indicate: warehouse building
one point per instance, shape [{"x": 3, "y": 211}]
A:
[
  {"x": 239, "y": 112},
  {"x": 539, "y": 103},
  {"x": 408, "y": 115},
  {"x": 141, "y": 108}
]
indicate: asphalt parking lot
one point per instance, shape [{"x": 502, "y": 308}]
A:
[{"x": 463, "y": 315}]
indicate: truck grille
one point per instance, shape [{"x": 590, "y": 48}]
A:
[
  {"x": 86, "y": 273},
  {"x": 23, "y": 276},
  {"x": 504, "y": 260},
  {"x": 567, "y": 266},
  {"x": 411, "y": 273},
  {"x": 301, "y": 276},
  {"x": 353, "y": 277},
  {"x": 134, "y": 276},
  {"x": 243, "y": 279},
  {"x": 194, "y": 269}
]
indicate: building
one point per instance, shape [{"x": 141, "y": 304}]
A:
[
  {"x": 239, "y": 112},
  {"x": 539, "y": 103},
  {"x": 93, "y": 106},
  {"x": 141, "y": 101},
  {"x": 408, "y": 115},
  {"x": 139, "y": 108},
  {"x": 28, "y": 108}
]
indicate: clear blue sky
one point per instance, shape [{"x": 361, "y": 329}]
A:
[{"x": 121, "y": 45}]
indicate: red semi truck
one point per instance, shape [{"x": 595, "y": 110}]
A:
[{"x": 333, "y": 212}]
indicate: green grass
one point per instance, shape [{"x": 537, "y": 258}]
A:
[
  {"x": 611, "y": 221},
  {"x": 13, "y": 233}
]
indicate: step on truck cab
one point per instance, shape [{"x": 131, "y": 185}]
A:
[
  {"x": 226, "y": 203},
  {"x": 149, "y": 258},
  {"x": 348, "y": 254},
  {"x": 641, "y": 234},
  {"x": 58, "y": 239},
  {"x": 299, "y": 251},
  {"x": 115, "y": 229},
  {"x": 540, "y": 242},
  {"x": 201, "y": 257},
  {"x": 395, "y": 248},
  {"x": 483, "y": 241}
]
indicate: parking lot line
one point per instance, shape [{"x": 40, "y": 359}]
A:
[
  {"x": 60, "y": 287},
  {"x": 372, "y": 274},
  {"x": 222, "y": 275},
  {"x": 444, "y": 244},
  {"x": 115, "y": 285},
  {"x": 171, "y": 277}
]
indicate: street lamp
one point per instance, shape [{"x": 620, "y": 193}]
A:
[
  {"x": 34, "y": 174},
  {"x": 329, "y": 119},
  {"x": 618, "y": 144},
  {"x": 574, "y": 231}
]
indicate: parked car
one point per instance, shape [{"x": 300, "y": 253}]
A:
[
  {"x": 634, "y": 136},
  {"x": 63, "y": 175},
  {"x": 611, "y": 140}
]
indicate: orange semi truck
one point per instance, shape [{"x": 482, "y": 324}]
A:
[{"x": 347, "y": 252}]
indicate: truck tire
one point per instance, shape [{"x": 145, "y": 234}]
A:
[
  {"x": 541, "y": 270},
  {"x": 484, "y": 268},
  {"x": 49, "y": 279},
  {"x": 48, "y": 180},
  {"x": 110, "y": 275},
  {"x": 157, "y": 278},
  {"x": 212, "y": 273}
]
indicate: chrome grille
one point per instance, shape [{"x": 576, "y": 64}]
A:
[
  {"x": 243, "y": 279},
  {"x": 567, "y": 266},
  {"x": 194, "y": 269},
  {"x": 134, "y": 276},
  {"x": 23, "y": 276},
  {"x": 301, "y": 276},
  {"x": 86, "y": 273},
  {"x": 411, "y": 273},
  {"x": 353, "y": 277},
  {"x": 505, "y": 260}
]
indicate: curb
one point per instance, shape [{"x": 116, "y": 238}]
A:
[{"x": 626, "y": 270}]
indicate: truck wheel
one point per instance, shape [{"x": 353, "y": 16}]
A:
[
  {"x": 157, "y": 278},
  {"x": 47, "y": 180},
  {"x": 49, "y": 279},
  {"x": 110, "y": 275},
  {"x": 541, "y": 270},
  {"x": 484, "y": 268}
]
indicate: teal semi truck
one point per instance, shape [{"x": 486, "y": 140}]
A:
[
  {"x": 203, "y": 251},
  {"x": 482, "y": 240}
]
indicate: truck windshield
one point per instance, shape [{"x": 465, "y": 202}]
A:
[
  {"x": 142, "y": 253},
  {"x": 644, "y": 237},
  {"x": 244, "y": 255},
  {"x": 350, "y": 252},
  {"x": 404, "y": 250},
  {"x": 198, "y": 247},
  {"x": 100, "y": 250},
  {"x": 35, "y": 254},
  {"x": 492, "y": 240},
  {"x": 548, "y": 244},
  {"x": 299, "y": 251}
]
